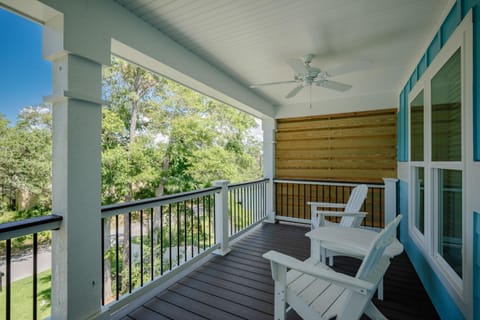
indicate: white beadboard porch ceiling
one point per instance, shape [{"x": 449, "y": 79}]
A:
[{"x": 251, "y": 39}]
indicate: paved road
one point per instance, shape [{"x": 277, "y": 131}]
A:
[{"x": 22, "y": 266}]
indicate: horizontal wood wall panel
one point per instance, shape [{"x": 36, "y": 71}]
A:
[
  {"x": 360, "y": 146},
  {"x": 336, "y": 121},
  {"x": 366, "y": 153},
  {"x": 380, "y": 130},
  {"x": 337, "y": 143},
  {"x": 337, "y": 163}
]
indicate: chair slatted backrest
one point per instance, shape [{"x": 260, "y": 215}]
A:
[
  {"x": 357, "y": 197},
  {"x": 370, "y": 263}
]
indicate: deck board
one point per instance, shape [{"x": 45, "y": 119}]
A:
[
  {"x": 239, "y": 285},
  {"x": 170, "y": 310}
]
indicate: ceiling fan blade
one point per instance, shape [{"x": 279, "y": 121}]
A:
[
  {"x": 329, "y": 84},
  {"x": 349, "y": 67},
  {"x": 294, "y": 91},
  {"x": 271, "y": 83},
  {"x": 298, "y": 66}
]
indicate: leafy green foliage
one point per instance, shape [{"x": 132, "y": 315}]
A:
[
  {"x": 25, "y": 154},
  {"x": 158, "y": 137},
  {"x": 173, "y": 139}
]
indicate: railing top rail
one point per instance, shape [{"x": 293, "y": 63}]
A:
[
  {"x": 329, "y": 183},
  {"x": 117, "y": 208},
  {"x": 24, "y": 227},
  {"x": 235, "y": 185}
]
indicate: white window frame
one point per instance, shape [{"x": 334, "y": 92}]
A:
[
  {"x": 413, "y": 230},
  {"x": 459, "y": 288}
]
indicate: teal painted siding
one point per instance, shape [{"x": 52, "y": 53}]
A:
[
  {"x": 451, "y": 22},
  {"x": 476, "y": 266},
  {"x": 468, "y": 4},
  {"x": 422, "y": 66},
  {"x": 458, "y": 11},
  {"x": 446, "y": 308},
  {"x": 436, "y": 290},
  {"x": 433, "y": 48},
  {"x": 413, "y": 78},
  {"x": 402, "y": 138}
]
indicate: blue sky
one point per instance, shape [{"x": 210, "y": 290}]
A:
[{"x": 25, "y": 78}]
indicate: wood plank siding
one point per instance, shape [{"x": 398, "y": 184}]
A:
[
  {"x": 240, "y": 286},
  {"x": 359, "y": 146}
]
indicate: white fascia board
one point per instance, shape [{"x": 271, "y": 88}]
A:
[
  {"x": 30, "y": 9},
  {"x": 242, "y": 101},
  {"x": 91, "y": 26}
]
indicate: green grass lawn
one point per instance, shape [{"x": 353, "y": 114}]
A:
[{"x": 22, "y": 293}]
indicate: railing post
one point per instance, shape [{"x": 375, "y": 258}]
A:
[
  {"x": 268, "y": 126},
  {"x": 270, "y": 201},
  {"x": 221, "y": 217},
  {"x": 390, "y": 197}
]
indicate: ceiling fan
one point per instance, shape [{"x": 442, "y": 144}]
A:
[{"x": 307, "y": 76}]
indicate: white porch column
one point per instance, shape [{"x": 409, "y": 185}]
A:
[
  {"x": 221, "y": 217},
  {"x": 268, "y": 126},
  {"x": 390, "y": 197},
  {"x": 76, "y": 183}
]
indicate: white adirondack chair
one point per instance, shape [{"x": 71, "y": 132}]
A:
[
  {"x": 315, "y": 291},
  {"x": 351, "y": 215}
]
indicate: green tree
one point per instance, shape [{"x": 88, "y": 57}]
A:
[
  {"x": 127, "y": 166},
  {"x": 160, "y": 137},
  {"x": 173, "y": 139},
  {"x": 25, "y": 153}
]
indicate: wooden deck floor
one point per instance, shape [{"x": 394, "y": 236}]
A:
[{"x": 239, "y": 285}]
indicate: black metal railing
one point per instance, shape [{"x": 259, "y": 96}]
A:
[
  {"x": 291, "y": 197},
  {"x": 247, "y": 205},
  {"x": 149, "y": 241},
  {"x": 143, "y": 240},
  {"x": 12, "y": 230}
]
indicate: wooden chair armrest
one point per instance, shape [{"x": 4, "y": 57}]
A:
[
  {"x": 327, "y": 204},
  {"x": 340, "y": 279}
]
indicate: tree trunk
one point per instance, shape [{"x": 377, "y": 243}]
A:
[
  {"x": 160, "y": 191},
  {"x": 129, "y": 197}
]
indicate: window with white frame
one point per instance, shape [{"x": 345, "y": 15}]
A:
[
  {"x": 447, "y": 165},
  {"x": 437, "y": 162}
]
